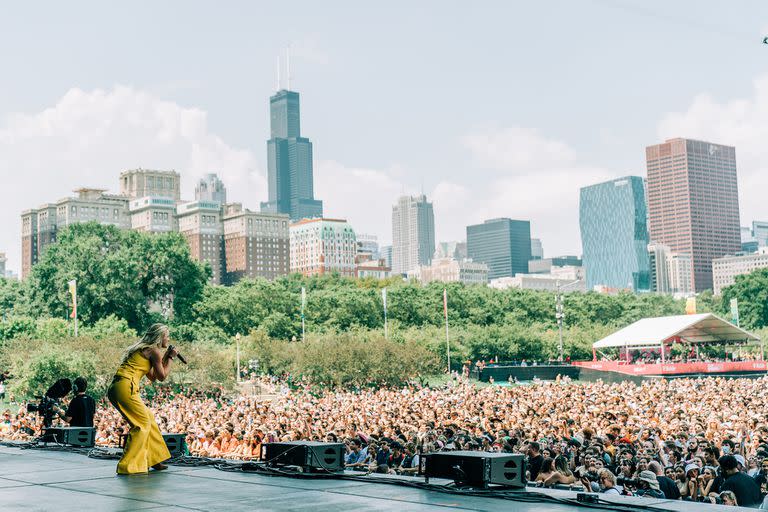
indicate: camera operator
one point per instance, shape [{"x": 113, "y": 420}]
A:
[
  {"x": 5, "y": 376},
  {"x": 82, "y": 407}
]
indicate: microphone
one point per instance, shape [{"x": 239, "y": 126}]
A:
[{"x": 181, "y": 357}]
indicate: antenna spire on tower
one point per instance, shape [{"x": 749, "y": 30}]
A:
[
  {"x": 288, "y": 65},
  {"x": 278, "y": 72}
]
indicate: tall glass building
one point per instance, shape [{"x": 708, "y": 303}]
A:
[
  {"x": 289, "y": 161},
  {"x": 614, "y": 234},
  {"x": 502, "y": 244}
]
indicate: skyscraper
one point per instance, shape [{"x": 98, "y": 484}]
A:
[
  {"x": 289, "y": 161},
  {"x": 413, "y": 233},
  {"x": 537, "y": 250},
  {"x": 614, "y": 236},
  {"x": 693, "y": 202},
  {"x": 211, "y": 189},
  {"x": 502, "y": 244},
  {"x": 760, "y": 232}
]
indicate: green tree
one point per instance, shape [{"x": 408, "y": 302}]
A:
[
  {"x": 751, "y": 290},
  {"x": 118, "y": 272}
]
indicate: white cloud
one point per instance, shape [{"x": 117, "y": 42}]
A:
[
  {"x": 535, "y": 178},
  {"x": 739, "y": 122},
  {"x": 362, "y": 196},
  {"x": 517, "y": 150},
  {"x": 542, "y": 186},
  {"x": 88, "y": 137}
]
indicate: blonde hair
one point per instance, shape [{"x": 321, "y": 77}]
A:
[{"x": 152, "y": 338}]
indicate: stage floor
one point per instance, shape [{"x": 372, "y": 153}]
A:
[{"x": 40, "y": 480}]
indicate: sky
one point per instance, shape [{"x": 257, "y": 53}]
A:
[{"x": 497, "y": 109}]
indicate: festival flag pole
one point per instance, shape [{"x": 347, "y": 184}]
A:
[
  {"x": 73, "y": 293},
  {"x": 303, "y": 304},
  {"x": 384, "y": 302},
  {"x": 447, "y": 343}
]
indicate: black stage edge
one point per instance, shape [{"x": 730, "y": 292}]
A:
[
  {"x": 61, "y": 481},
  {"x": 502, "y": 373}
]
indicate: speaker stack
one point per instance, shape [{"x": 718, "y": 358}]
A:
[
  {"x": 175, "y": 443},
  {"x": 311, "y": 456},
  {"x": 72, "y": 436},
  {"x": 477, "y": 469}
]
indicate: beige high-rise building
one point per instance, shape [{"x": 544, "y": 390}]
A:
[
  {"x": 670, "y": 272},
  {"x": 413, "y": 233},
  {"x": 152, "y": 214},
  {"x": 201, "y": 224},
  {"x": 28, "y": 241},
  {"x": 136, "y": 183},
  {"x": 255, "y": 244},
  {"x": 39, "y": 226},
  {"x": 725, "y": 269}
]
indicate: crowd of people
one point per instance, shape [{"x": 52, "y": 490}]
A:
[{"x": 694, "y": 439}]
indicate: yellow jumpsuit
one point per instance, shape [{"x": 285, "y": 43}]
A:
[{"x": 145, "y": 446}]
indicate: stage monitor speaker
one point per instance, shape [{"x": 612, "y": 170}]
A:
[
  {"x": 477, "y": 469},
  {"x": 73, "y": 436},
  {"x": 175, "y": 444},
  {"x": 310, "y": 455}
]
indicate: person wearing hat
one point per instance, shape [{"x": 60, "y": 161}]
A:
[
  {"x": 648, "y": 485},
  {"x": 692, "y": 479}
]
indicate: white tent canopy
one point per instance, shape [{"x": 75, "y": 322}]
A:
[{"x": 703, "y": 328}]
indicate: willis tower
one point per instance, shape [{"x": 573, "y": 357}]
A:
[{"x": 289, "y": 165}]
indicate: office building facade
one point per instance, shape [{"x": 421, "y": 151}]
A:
[
  {"x": 39, "y": 226},
  {"x": 210, "y": 189},
  {"x": 725, "y": 269},
  {"x": 289, "y": 162},
  {"x": 614, "y": 236},
  {"x": 322, "y": 246},
  {"x": 450, "y": 270},
  {"x": 152, "y": 214},
  {"x": 376, "y": 269},
  {"x": 693, "y": 204},
  {"x": 413, "y": 233},
  {"x": 255, "y": 244},
  {"x": 567, "y": 279},
  {"x": 545, "y": 265},
  {"x": 368, "y": 246},
  {"x": 201, "y": 224},
  {"x": 502, "y": 244},
  {"x": 537, "y": 249},
  {"x": 135, "y": 183},
  {"x": 760, "y": 232},
  {"x": 670, "y": 272}
]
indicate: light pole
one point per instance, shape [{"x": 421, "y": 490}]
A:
[
  {"x": 560, "y": 313},
  {"x": 237, "y": 341}
]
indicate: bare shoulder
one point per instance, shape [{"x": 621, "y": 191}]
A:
[{"x": 153, "y": 353}]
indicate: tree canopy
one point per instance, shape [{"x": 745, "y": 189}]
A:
[{"x": 119, "y": 272}]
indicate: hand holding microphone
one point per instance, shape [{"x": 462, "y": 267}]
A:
[{"x": 173, "y": 352}]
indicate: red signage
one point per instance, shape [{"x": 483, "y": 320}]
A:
[{"x": 674, "y": 368}]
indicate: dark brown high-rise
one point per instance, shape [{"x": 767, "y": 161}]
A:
[{"x": 693, "y": 202}]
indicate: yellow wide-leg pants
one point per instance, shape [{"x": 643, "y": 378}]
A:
[{"x": 145, "y": 445}]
